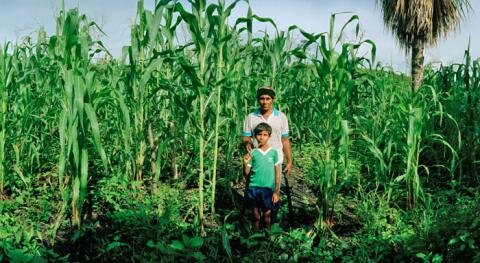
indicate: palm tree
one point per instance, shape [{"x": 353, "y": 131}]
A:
[{"x": 417, "y": 23}]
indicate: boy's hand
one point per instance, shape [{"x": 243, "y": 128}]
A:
[
  {"x": 275, "y": 197},
  {"x": 246, "y": 158}
]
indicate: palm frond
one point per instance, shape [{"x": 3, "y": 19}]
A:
[{"x": 422, "y": 20}]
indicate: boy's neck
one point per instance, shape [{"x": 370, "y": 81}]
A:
[{"x": 264, "y": 147}]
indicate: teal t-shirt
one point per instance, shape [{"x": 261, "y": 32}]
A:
[{"x": 263, "y": 167}]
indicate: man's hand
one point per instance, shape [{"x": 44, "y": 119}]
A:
[
  {"x": 287, "y": 150},
  {"x": 247, "y": 143},
  {"x": 287, "y": 169},
  {"x": 275, "y": 197}
]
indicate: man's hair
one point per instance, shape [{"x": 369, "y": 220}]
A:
[
  {"x": 262, "y": 127},
  {"x": 266, "y": 90}
]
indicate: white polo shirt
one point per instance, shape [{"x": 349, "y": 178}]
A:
[{"x": 279, "y": 124}]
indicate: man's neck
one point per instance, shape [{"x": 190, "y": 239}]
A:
[{"x": 266, "y": 113}]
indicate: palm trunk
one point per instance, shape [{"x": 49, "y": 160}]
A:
[{"x": 417, "y": 64}]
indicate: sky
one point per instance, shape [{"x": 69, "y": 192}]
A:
[{"x": 22, "y": 18}]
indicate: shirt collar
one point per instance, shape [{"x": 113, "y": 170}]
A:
[{"x": 275, "y": 112}]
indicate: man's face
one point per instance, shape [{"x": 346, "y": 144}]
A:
[{"x": 266, "y": 102}]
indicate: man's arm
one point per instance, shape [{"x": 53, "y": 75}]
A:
[
  {"x": 287, "y": 151},
  {"x": 247, "y": 134},
  {"x": 247, "y": 143}
]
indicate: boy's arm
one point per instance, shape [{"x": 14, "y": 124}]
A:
[
  {"x": 247, "y": 167},
  {"x": 276, "y": 193}
]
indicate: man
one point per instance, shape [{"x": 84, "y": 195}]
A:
[{"x": 275, "y": 118}]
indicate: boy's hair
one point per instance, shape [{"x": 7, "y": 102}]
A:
[{"x": 262, "y": 127}]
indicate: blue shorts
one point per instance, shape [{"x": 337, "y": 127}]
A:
[{"x": 260, "y": 197}]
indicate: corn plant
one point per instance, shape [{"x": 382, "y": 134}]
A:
[
  {"x": 457, "y": 86},
  {"x": 78, "y": 124},
  {"x": 411, "y": 176},
  {"x": 5, "y": 81},
  {"x": 381, "y": 132},
  {"x": 220, "y": 43},
  {"x": 332, "y": 93},
  {"x": 197, "y": 25}
]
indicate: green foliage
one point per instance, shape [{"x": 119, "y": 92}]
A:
[{"x": 130, "y": 150}]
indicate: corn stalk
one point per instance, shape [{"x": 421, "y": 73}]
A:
[{"x": 78, "y": 124}]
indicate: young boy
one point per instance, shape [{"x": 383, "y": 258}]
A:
[{"x": 263, "y": 166}]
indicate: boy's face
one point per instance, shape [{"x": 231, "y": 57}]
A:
[{"x": 262, "y": 138}]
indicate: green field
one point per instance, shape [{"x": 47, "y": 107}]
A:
[{"x": 138, "y": 157}]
